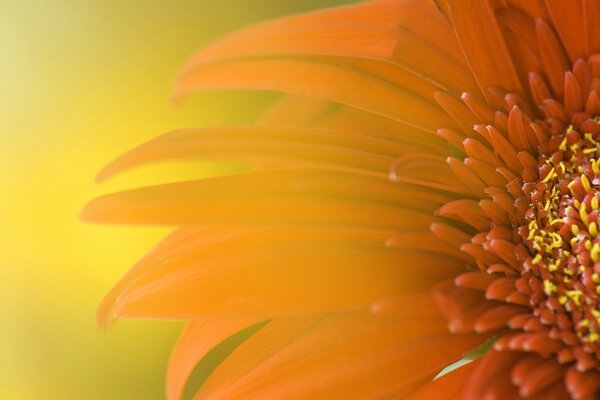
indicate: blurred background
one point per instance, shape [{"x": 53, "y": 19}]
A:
[{"x": 81, "y": 81}]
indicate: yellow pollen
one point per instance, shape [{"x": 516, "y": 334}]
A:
[
  {"x": 533, "y": 224},
  {"x": 556, "y": 239},
  {"x": 549, "y": 287},
  {"x": 589, "y": 137},
  {"x": 568, "y": 193},
  {"x": 585, "y": 182},
  {"x": 595, "y": 166},
  {"x": 550, "y": 175},
  {"x": 593, "y": 229},
  {"x": 583, "y": 214},
  {"x": 574, "y": 295},
  {"x": 563, "y": 169},
  {"x": 594, "y": 252},
  {"x": 563, "y": 145}
]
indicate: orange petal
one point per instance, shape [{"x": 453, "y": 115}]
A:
[
  {"x": 449, "y": 386},
  {"x": 554, "y": 60},
  {"x": 386, "y": 30},
  {"x": 182, "y": 240},
  {"x": 244, "y": 275},
  {"x": 359, "y": 85},
  {"x": 591, "y": 14},
  {"x": 483, "y": 45},
  {"x": 297, "y": 110},
  {"x": 567, "y": 18},
  {"x": 349, "y": 356},
  {"x": 286, "y": 146},
  {"x": 198, "y": 338},
  {"x": 305, "y": 197},
  {"x": 323, "y": 114}
]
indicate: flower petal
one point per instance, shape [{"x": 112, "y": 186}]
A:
[
  {"x": 449, "y": 386},
  {"x": 198, "y": 338},
  {"x": 478, "y": 32},
  {"x": 293, "y": 197},
  {"x": 386, "y": 30},
  {"x": 285, "y": 146},
  {"x": 323, "y": 114},
  {"x": 368, "y": 85},
  {"x": 243, "y": 275},
  {"x": 350, "y": 356}
]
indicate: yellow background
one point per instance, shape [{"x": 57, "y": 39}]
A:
[{"x": 80, "y": 82}]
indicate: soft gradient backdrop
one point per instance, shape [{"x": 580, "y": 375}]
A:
[{"x": 80, "y": 82}]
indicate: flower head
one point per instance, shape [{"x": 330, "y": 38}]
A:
[{"x": 428, "y": 192}]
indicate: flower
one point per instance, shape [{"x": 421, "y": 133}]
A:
[{"x": 448, "y": 149}]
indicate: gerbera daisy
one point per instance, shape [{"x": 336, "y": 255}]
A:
[{"x": 421, "y": 220}]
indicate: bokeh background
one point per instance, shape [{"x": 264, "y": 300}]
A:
[{"x": 80, "y": 82}]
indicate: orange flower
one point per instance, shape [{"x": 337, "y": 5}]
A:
[{"x": 450, "y": 150}]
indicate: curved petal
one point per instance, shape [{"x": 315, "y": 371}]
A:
[
  {"x": 349, "y": 356},
  {"x": 293, "y": 197},
  {"x": 360, "y": 84},
  {"x": 198, "y": 338},
  {"x": 449, "y": 386},
  {"x": 306, "y": 271},
  {"x": 483, "y": 45},
  {"x": 323, "y": 114},
  {"x": 286, "y": 146},
  {"x": 386, "y": 30}
]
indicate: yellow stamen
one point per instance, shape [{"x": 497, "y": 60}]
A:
[
  {"x": 550, "y": 175},
  {"x": 563, "y": 145},
  {"x": 594, "y": 252},
  {"x": 583, "y": 214},
  {"x": 589, "y": 137},
  {"x": 585, "y": 182},
  {"x": 575, "y": 295},
  {"x": 549, "y": 287},
  {"x": 595, "y": 166},
  {"x": 593, "y": 229}
]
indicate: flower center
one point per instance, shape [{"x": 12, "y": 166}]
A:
[{"x": 560, "y": 227}]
